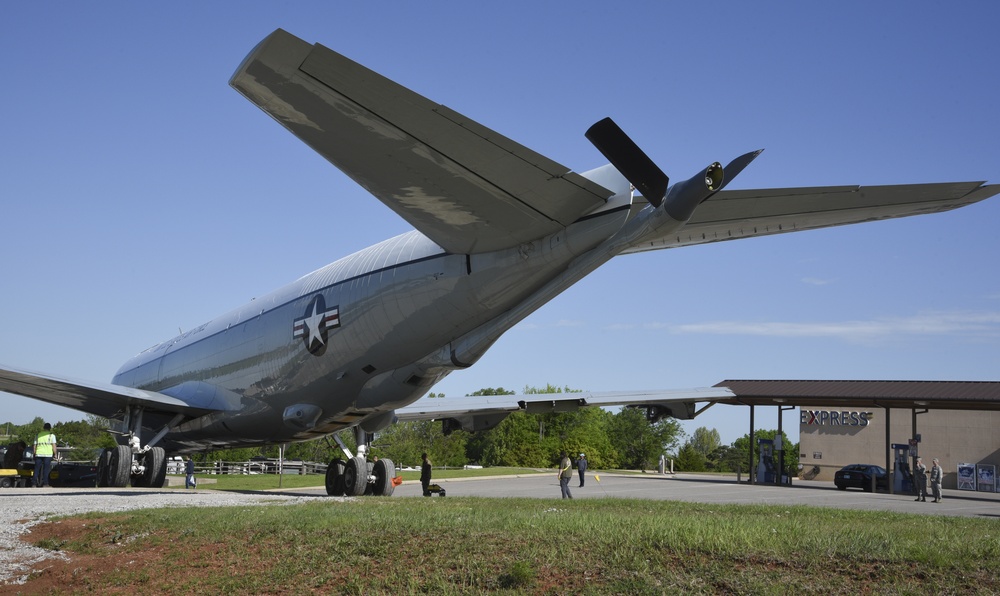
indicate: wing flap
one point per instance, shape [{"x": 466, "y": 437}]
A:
[
  {"x": 464, "y": 186},
  {"x": 733, "y": 214}
]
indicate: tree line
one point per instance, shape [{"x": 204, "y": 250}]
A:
[{"x": 620, "y": 440}]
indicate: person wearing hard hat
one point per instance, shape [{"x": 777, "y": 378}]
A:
[{"x": 581, "y": 467}]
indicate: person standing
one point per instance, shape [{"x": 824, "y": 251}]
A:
[
  {"x": 936, "y": 474},
  {"x": 581, "y": 467},
  {"x": 45, "y": 449},
  {"x": 565, "y": 473},
  {"x": 920, "y": 479},
  {"x": 425, "y": 475},
  {"x": 189, "y": 481}
]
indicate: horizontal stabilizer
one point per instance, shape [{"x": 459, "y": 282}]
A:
[{"x": 735, "y": 214}]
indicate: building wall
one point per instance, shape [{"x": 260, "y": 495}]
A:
[{"x": 829, "y": 442}]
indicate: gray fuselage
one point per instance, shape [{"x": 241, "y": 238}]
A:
[{"x": 396, "y": 318}]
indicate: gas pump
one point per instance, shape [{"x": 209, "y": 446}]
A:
[
  {"x": 902, "y": 477},
  {"x": 765, "y": 467}
]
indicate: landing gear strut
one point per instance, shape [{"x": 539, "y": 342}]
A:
[{"x": 357, "y": 476}]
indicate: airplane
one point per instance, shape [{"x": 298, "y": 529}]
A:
[{"x": 499, "y": 230}]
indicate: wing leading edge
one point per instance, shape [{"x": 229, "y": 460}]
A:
[{"x": 466, "y": 187}]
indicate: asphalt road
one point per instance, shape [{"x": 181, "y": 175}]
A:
[
  {"x": 679, "y": 487},
  {"x": 709, "y": 489}
]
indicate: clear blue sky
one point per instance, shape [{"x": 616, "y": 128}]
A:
[{"x": 141, "y": 194}]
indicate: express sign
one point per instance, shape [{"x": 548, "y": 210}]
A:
[{"x": 833, "y": 418}]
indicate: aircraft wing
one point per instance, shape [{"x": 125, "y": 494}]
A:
[
  {"x": 464, "y": 186},
  {"x": 733, "y": 214},
  {"x": 100, "y": 399},
  {"x": 483, "y": 412}
]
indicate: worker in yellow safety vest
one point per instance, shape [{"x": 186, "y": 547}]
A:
[{"x": 45, "y": 449}]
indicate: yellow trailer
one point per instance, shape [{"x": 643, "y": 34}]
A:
[{"x": 11, "y": 478}]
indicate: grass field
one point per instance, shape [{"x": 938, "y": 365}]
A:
[
  {"x": 270, "y": 481},
  {"x": 538, "y": 546}
]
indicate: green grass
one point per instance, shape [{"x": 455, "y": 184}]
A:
[{"x": 471, "y": 545}]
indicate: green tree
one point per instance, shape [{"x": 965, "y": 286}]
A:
[
  {"x": 549, "y": 388},
  {"x": 742, "y": 445},
  {"x": 84, "y": 438},
  {"x": 726, "y": 458},
  {"x": 640, "y": 443},
  {"x": 28, "y": 432},
  {"x": 490, "y": 391},
  {"x": 577, "y": 431},
  {"x": 321, "y": 450},
  {"x": 705, "y": 441},
  {"x": 582, "y": 431},
  {"x": 404, "y": 442},
  {"x": 515, "y": 442},
  {"x": 689, "y": 459},
  {"x": 475, "y": 444}
]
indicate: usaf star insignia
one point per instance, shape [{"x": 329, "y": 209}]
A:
[{"x": 313, "y": 328}]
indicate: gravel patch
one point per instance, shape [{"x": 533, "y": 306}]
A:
[{"x": 20, "y": 509}]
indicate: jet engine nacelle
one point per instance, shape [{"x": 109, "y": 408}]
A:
[{"x": 683, "y": 197}]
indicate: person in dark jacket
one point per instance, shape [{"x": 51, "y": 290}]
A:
[
  {"x": 581, "y": 467},
  {"x": 425, "y": 475},
  {"x": 189, "y": 481}
]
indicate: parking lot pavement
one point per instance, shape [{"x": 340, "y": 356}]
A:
[{"x": 713, "y": 489}]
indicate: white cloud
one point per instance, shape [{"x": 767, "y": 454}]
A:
[
  {"x": 568, "y": 323},
  {"x": 619, "y": 327}
]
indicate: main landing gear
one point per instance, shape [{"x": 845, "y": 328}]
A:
[
  {"x": 142, "y": 465},
  {"x": 357, "y": 476}
]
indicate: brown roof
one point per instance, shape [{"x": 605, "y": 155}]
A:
[{"x": 949, "y": 395}]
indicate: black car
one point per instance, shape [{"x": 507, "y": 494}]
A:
[{"x": 860, "y": 476}]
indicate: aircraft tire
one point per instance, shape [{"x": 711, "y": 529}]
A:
[
  {"x": 104, "y": 468},
  {"x": 121, "y": 466},
  {"x": 356, "y": 477},
  {"x": 155, "y": 461},
  {"x": 384, "y": 471},
  {"x": 335, "y": 478}
]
